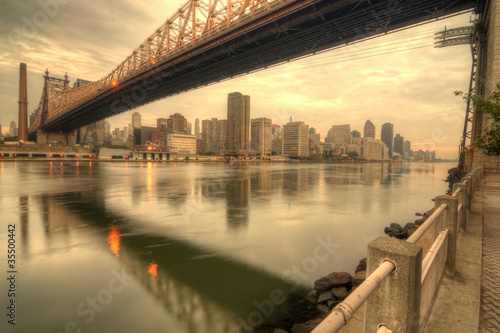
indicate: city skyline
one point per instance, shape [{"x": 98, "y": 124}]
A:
[{"x": 348, "y": 85}]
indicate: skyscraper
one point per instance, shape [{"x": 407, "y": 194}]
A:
[
  {"x": 136, "y": 120},
  {"x": 296, "y": 139},
  {"x": 197, "y": 126},
  {"x": 398, "y": 144},
  {"x": 13, "y": 128},
  {"x": 407, "y": 148},
  {"x": 262, "y": 135},
  {"x": 238, "y": 122},
  {"x": 387, "y": 137},
  {"x": 369, "y": 131}
]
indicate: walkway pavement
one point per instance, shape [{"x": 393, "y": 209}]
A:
[{"x": 490, "y": 280}]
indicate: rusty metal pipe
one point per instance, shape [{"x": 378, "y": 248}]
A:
[{"x": 423, "y": 228}]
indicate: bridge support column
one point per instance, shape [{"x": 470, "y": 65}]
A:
[
  {"x": 62, "y": 138},
  {"x": 396, "y": 301}
]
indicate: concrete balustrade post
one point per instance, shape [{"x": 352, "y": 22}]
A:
[
  {"x": 469, "y": 190},
  {"x": 396, "y": 301},
  {"x": 462, "y": 200},
  {"x": 448, "y": 220}
]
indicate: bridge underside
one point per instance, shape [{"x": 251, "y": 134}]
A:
[{"x": 284, "y": 33}]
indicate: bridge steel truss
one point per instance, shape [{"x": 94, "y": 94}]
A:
[{"x": 207, "y": 41}]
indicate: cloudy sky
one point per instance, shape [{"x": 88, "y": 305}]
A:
[{"x": 398, "y": 78}]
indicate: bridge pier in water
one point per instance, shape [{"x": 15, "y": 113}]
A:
[{"x": 62, "y": 138}]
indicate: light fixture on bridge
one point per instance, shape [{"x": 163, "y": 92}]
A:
[
  {"x": 114, "y": 83},
  {"x": 153, "y": 62}
]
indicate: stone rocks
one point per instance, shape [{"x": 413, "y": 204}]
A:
[
  {"x": 339, "y": 292},
  {"x": 332, "y": 280},
  {"x": 302, "y": 328},
  {"x": 361, "y": 266},
  {"x": 325, "y": 296},
  {"x": 358, "y": 279},
  {"x": 279, "y": 330}
]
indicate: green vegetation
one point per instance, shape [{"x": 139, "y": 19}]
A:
[
  {"x": 10, "y": 138},
  {"x": 490, "y": 140},
  {"x": 186, "y": 158},
  {"x": 353, "y": 154}
]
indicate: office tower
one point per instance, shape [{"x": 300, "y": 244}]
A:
[
  {"x": 399, "y": 144},
  {"x": 13, "y": 128},
  {"x": 312, "y": 130},
  {"x": 184, "y": 144},
  {"x": 80, "y": 83},
  {"x": 369, "y": 131},
  {"x": 387, "y": 136},
  {"x": 136, "y": 120},
  {"x": 238, "y": 122},
  {"x": 177, "y": 124},
  {"x": 161, "y": 122},
  {"x": 339, "y": 135},
  {"x": 188, "y": 129},
  {"x": 23, "y": 104},
  {"x": 197, "y": 127},
  {"x": 262, "y": 135},
  {"x": 407, "y": 148},
  {"x": 296, "y": 139},
  {"x": 356, "y": 134}
]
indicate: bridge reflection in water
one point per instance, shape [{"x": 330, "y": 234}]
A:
[{"x": 205, "y": 292}]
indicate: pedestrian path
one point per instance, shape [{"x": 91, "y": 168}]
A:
[{"x": 490, "y": 278}]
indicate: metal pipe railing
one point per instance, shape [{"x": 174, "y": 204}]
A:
[
  {"x": 433, "y": 249},
  {"x": 343, "y": 312},
  {"x": 457, "y": 192},
  {"x": 423, "y": 228},
  {"x": 383, "y": 328}
]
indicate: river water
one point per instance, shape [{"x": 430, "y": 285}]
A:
[{"x": 189, "y": 247}]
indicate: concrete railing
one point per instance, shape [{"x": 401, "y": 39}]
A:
[{"x": 409, "y": 283}]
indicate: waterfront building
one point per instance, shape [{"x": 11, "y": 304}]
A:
[
  {"x": 296, "y": 139},
  {"x": 387, "y": 135},
  {"x": 369, "y": 130},
  {"x": 399, "y": 144},
  {"x": 214, "y": 136},
  {"x": 339, "y": 135},
  {"x": 261, "y": 132},
  {"x": 368, "y": 148},
  {"x": 238, "y": 122},
  {"x": 184, "y": 144}
]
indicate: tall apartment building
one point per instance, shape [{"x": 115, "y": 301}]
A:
[
  {"x": 238, "y": 122},
  {"x": 296, "y": 139},
  {"x": 161, "y": 122},
  {"x": 176, "y": 124},
  {"x": 339, "y": 135},
  {"x": 214, "y": 136},
  {"x": 262, "y": 136},
  {"x": 399, "y": 144},
  {"x": 387, "y": 136},
  {"x": 136, "y": 120},
  {"x": 369, "y": 130}
]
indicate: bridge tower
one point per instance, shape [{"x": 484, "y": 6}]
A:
[
  {"x": 47, "y": 106},
  {"x": 23, "y": 104}
]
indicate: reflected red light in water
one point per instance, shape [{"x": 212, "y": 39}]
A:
[
  {"x": 114, "y": 239},
  {"x": 153, "y": 270}
]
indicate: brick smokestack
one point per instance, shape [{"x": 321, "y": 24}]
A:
[{"x": 23, "y": 104}]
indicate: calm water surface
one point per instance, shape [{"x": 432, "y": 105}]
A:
[{"x": 186, "y": 247}]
